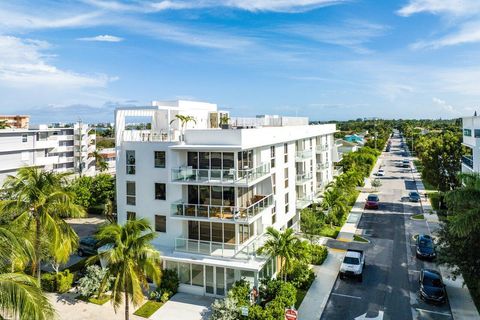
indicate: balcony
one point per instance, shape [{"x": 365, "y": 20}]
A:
[
  {"x": 188, "y": 175},
  {"x": 323, "y": 166},
  {"x": 304, "y": 201},
  {"x": 225, "y": 213},
  {"x": 467, "y": 161},
  {"x": 244, "y": 251},
  {"x": 65, "y": 159},
  {"x": 43, "y": 161},
  {"x": 63, "y": 148},
  {"x": 321, "y": 148},
  {"x": 337, "y": 171},
  {"x": 303, "y": 155},
  {"x": 303, "y": 178},
  {"x": 149, "y": 136},
  {"x": 50, "y": 142}
]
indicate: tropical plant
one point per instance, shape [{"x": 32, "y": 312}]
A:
[
  {"x": 89, "y": 284},
  {"x": 335, "y": 203},
  {"x": 184, "y": 120},
  {"x": 311, "y": 223},
  {"x": 39, "y": 201},
  {"x": 376, "y": 183},
  {"x": 4, "y": 124},
  {"x": 131, "y": 260},
  {"x": 224, "y": 119},
  {"x": 285, "y": 246},
  {"x": 100, "y": 162},
  {"x": 20, "y": 295}
]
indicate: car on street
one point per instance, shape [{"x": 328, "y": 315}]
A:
[
  {"x": 87, "y": 246},
  {"x": 406, "y": 163},
  {"x": 381, "y": 172},
  {"x": 353, "y": 264},
  {"x": 425, "y": 248},
  {"x": 414, "y": 197},
  {"x": 432, "y": 288},
  {"x": 372, "y": 202}
]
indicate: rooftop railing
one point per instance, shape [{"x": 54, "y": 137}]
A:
[
  {"x": 231, "y": 213},
  {"x": 148, "y": 136},
  {"x": 229, "y": 176}
]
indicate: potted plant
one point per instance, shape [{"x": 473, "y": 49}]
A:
[{"x": 224, "y": 119}]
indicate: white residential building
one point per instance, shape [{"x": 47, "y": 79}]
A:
[
  {"x": 109, "y": 156},
  {"x": 471, "y": 140},
  {"x": 57, "y": 149},
  {"x": 210, "y": 193}
]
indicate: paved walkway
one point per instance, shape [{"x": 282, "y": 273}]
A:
[
  {"x": 461, "y": 302},
  {"x": 183, "y": 306},
  {"x": 317, "y": 296}
]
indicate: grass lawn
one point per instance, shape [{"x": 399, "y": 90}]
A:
[
  {"x": 359, "y": 239},
  {"x": 148, "y": 308},
  {"x": 330, "y": 232},
  {"x": 418, "y": 217},
  {"x": 300, "y": 295},
  {"x": 100, "y": 301}
]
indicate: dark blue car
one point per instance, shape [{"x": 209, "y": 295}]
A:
[
  {"x": 432, "y": 288},
  {"x": 425, "y": 247}
]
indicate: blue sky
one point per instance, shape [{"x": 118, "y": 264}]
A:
[{"x": 326, "y": 59}]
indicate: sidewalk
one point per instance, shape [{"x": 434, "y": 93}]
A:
[
  {"x": 461, "y": 302},
  {"x": 317, "y": 296}
]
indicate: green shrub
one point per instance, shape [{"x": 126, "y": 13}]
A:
[
  {"x": 90, "y": 283},
  {"x": 240, "y": 291},
  {"x": 57, "y": 282},
  {"x": 319, "y": 254},
  {"x": 170, "y": 281},
  {"x": 301, "y": 276}
]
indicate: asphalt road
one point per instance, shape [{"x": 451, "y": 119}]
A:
[{"x": 390, "y": 282}]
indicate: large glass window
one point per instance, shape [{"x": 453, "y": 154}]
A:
[
  {"x": 229, "y": 233},
  {"x": 467, "y": 132},
  {"x": 230, "y": 278},
  {"x": 131, "y": 193},
  {"x": 160, "y": 191},
  {"x": 220, "y": 277},
  {"x": 160, "y": 223},
  {"x": 193, "y": 230},
  {"x": 197, "y": 275},
  {"x": 192, "y": 159},
  {"x": 477, "y": 133},
  {"x": 24, "y": 138},
  {"x": 159, "y": 158},
  {"x": 130, "y": 158},
  {"x": 171, "y": 265},
  {"x": 228, "y": 160},
  {"x": 131, "y": 215},
  {"x": 184, "y": 272},
  {"x": 205, "y": 231},
  {"x": 217, "y": 232},
  {"x": 204, "y": 160}
]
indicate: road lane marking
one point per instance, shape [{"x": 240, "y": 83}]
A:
[
  {"x": 346, "y": 296},
  {"x": 435, "y": 312}
]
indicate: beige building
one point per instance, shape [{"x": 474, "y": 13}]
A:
[{"x": 16, "y": 121}]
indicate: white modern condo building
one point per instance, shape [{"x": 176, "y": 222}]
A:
[
  {"x": 471, "y": 140},
  {"x": 57, "y": 149},
  {"x": 210, "y": 193}
]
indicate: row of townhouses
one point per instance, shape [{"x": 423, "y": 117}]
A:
[
  {"x": 211, "y": 187},
  {"x": 58, "y": 149}
]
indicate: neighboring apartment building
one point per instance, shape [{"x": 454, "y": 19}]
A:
[
  {"x": 15, "y": 121},
  {"x": 210, "y": 193},
  {"x": 109, "y": 156},
  {"x": 57, "y": 149},
  {"x": 471, "y": 140}
]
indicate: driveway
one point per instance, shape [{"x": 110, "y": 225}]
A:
[{"x": 183, "y": 306}]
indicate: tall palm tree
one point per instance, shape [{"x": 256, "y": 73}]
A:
[
  {"x": 100, "y": 162},
  {"x": 464, "y": 207},
  {"x": 283, "y": 245},
  {"x": 131, "y": 259},
  {"x": 20, "y": 295},
  {"x": 184, "y": 120},
  {"x": 334, "y": 202},
  {"x": 38, "y": 200}
]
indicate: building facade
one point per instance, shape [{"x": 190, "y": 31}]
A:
[
  {"x": 471, "y": 140},
  {"x": 109, "y": 156},
  {"x": 57, "y": 149},
  {"x": 15, "y": 121},
  {"x": 210, "y": 193}
]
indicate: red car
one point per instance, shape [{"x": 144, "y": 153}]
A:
[{"x": 372, "y": 202}]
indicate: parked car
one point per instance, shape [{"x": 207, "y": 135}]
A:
[
  {"x": 425, "y": 247},
  {"x": 372, "y": 202},
  {"x": 87, "y": 246},
  {"x": 414, "y": 197},
  {"x": 432, "y": 288},
  {"x": 353, "y": 264},
  {"x": 381, "y": 172},
  {"x": 406, "y": 163}
]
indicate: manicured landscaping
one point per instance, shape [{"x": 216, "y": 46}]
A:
[
  {"x": 99, "y": 301},
  {"x": 418, "y": 217},
  {"x": 300, "y": 296},
  {"x": 148, "y": 308},
  {"x": 359, "y": 239},
  {"x": 330, "y": 232}
]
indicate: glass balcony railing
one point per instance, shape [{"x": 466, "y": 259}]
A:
[
  {"x": 468, "y": 161},
  {"x": 232, "y": 176},
  {"x": 233, "y": 213},
  {"x": 321, "y": 147},
  {"x": 304, "y": 201},
  {"x": 303, "y": 155},
  {"x": 323, "y": 166},
  {"x": 304, "y": 177},
  {"x": 337, "y": 171}
]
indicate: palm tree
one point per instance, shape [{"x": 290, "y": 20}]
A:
[
  {"x": 131, "y": 259},
  {"x": 38, "y": 201},
  {"x": 4, "y": 124},
  {"x": 464, "y": 207},
  {"x": 335, "y": 203},
  {"x": 100, "y": 162},
  {"x": 20, "y": 295},
  {"x": 283, "y": 245},
  {"x": 184, "y": 120}
]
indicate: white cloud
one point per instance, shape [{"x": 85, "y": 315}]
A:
[
  {"x": 451, "y": 7},
  {"x": 445, "y": 106},
  {"x": 248, "y": 5},
  {"x": 467, "y": 33},
  {"x": 23, "y": 63},
  {"x": 102, "y": 38}
]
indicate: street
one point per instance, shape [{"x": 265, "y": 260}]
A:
[{"x": 390, "y": 282}]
